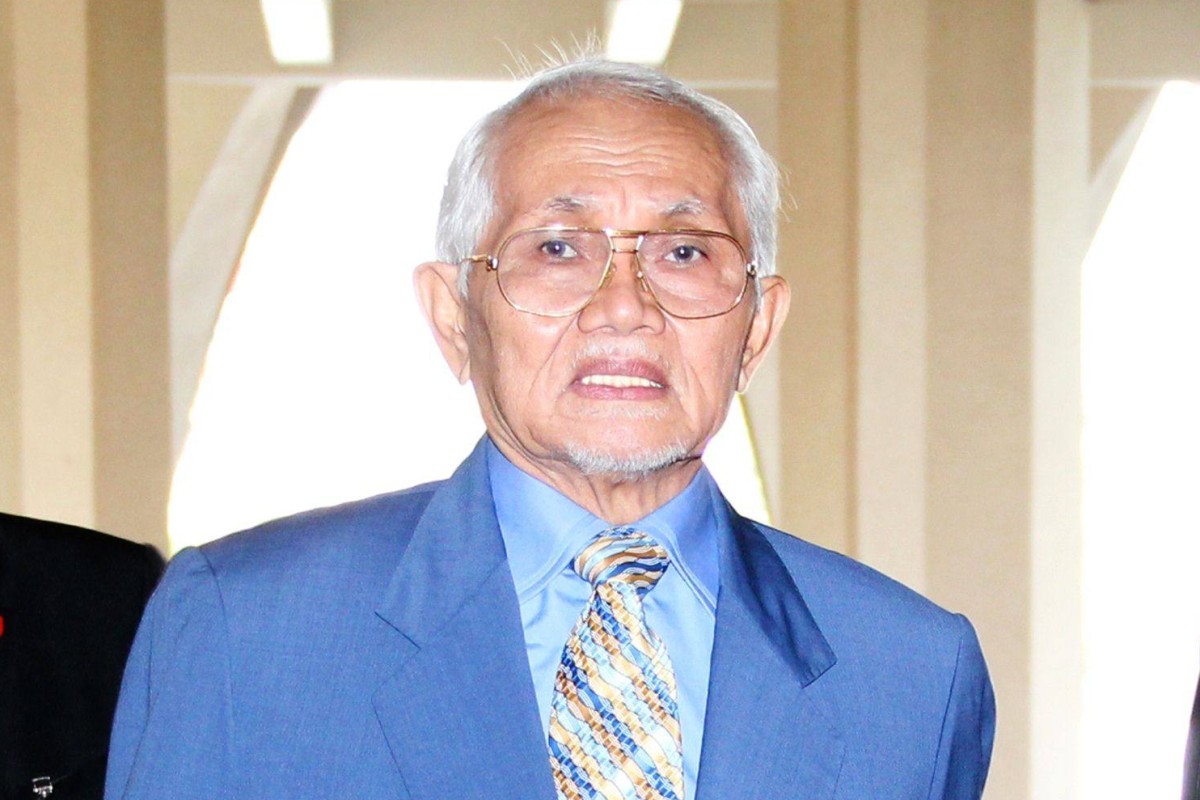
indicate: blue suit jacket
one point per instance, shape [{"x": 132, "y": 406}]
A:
[{"x": 375, "y": 650}]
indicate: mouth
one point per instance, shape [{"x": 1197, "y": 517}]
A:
[{"x": 620, "y": 379}]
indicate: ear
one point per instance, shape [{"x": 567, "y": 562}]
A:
[
  {"x": 436, "y": 284},
  {"x": 772, "y": 310}
]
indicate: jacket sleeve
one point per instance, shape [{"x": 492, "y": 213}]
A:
[
  {"x": 968, "y": 727},
  {"x": 173, "y": 726}
]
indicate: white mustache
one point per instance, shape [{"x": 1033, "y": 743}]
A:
[{"x": 632, "y": 349}]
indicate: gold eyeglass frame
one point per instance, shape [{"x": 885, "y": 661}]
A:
[{"x": 492, "y": 264}]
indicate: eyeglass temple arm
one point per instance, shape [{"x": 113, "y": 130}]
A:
[{"x": 488, "y": 261}]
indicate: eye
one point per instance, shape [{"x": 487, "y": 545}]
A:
[
  {"x": 681, "y": 253},
  {"x": 557, "y": 248}
]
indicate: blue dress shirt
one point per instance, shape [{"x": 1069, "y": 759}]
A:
[{"x": 543, "y": 531}]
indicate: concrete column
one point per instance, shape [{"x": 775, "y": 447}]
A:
[
  {"x": 128, "y": 187},
  {"x": 938, "y": 152},
  {"x": 818, "y": 153},
  {"x": 54, "y": 280},
  {"x": 91, "y": 256},
  {"x": 980, "y": 250},
  {"x": 1062, "y": 232},
  {"x": 1007, "y": 173},
  {"x": 10, "y": 405},
  {"x": 890, "y": 272}
]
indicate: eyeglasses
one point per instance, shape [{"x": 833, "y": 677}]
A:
[{"x": 557, "y": 271}]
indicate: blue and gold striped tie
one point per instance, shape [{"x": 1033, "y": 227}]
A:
[{"x": 614, "y": 722}]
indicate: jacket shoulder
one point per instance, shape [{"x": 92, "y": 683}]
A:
[
  {"x": 349, "y": 536},
  {"x": 909, "y": 686},
  {"x": 327, "y": 531},
  {"x": 850, "y": 599}
]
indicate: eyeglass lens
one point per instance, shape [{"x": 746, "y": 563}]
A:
[{"x": 552, "y": 271}]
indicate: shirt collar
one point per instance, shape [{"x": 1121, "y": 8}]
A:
[{"x": 543, "y": 529}]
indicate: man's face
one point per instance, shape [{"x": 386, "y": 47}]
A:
[{"x": 621, "y": 386}]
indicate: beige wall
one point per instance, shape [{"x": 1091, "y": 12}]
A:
[
  {"x": 53, "y": 262},
  {"x": 199, "y": 116},
  {"x": 938, "y": 152},
  {"x": 1113, "y": 109},
  {"x": 978, "y": 505},
  {"x": 128, "y": 193},
  {"x": 817, "y": 116},
  {"x": 90, "y": 427},
  {"x": 1144, "y": 42},
  {"x": 10, "y": 386}
]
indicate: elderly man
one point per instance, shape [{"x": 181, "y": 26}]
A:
[{"x": 577, "y": 612}]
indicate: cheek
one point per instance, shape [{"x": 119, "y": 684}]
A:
[
  {"x": 517, "y": 355},
  {"x": 713, "y": 365},
  {"x": 490, "y": 349}
]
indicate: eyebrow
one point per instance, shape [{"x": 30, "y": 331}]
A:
[
  {"x": 565, "y": 203},
  {"x": 690, "y": 207}
]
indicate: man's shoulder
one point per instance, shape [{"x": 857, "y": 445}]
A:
[
  {"x": 845, "y": 595},
  {"x": 355, "y": 531},
  {"x": 278, "y": 580},
  {"x": 906, "y": 683}
]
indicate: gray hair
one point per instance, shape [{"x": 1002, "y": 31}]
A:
[{"x": 468, "y": 201}]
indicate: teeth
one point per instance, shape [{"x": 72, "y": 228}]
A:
[{"x": 619, "y": 381}]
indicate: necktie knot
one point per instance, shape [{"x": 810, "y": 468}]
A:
[{"x": 623, "y": 555}]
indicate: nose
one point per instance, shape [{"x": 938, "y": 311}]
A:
[{"x": 624, "y": 302}]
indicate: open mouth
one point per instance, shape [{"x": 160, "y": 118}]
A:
[
  {"x": 620, "y": 378},
  {"x": 619, "y": 381}
]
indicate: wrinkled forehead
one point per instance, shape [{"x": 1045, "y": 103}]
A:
[
  {"x": 548, "y": 139},
  {"x": 613, "y": 111}
]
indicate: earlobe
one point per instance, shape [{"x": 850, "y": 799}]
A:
[
  {"x": 764, "y": 327},
  {"x": 436, "y": 284}
]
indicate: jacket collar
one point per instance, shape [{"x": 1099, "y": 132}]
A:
[
  {"x": 767, "y": 653},
  {"x": 462, "y": 694},
  {"x": 454, "y": 552},
  {"x": 460, "y": 711}
]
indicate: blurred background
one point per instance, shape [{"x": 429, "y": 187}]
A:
[{"x": 210, "y": 211}]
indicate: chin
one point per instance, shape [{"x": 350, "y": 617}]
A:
[{"x": 623, "y": 463}]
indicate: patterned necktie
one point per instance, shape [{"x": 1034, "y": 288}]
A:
[{"x": 614, "y": 723}]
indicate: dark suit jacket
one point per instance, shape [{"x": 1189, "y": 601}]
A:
[
  {"x": 376, "y": 651},
  {"x": 71, "y": 599},
  {"x": 1191, "y": 766}
]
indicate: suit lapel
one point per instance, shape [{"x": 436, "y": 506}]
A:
[
  {"x": 766, "y": 734},
  {"x": 460, "y": 713}
]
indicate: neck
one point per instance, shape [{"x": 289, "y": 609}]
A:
[{"x": 615, "y": 492}]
